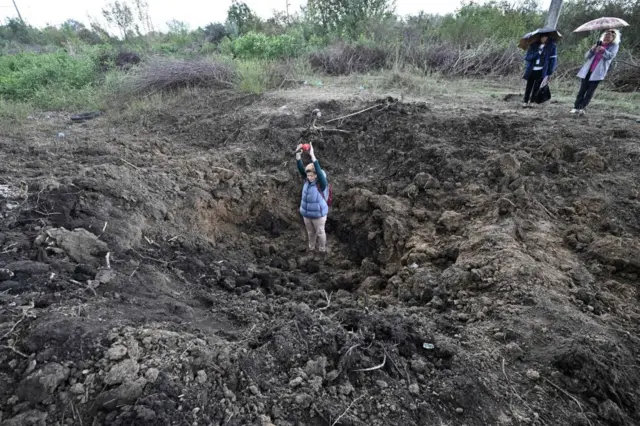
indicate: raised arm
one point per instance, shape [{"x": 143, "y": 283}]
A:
[
  {"x": 299, "y": 161},
  {"x": 322, "y": 179}
]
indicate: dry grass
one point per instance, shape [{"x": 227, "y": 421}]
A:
[
  {"x": 345, "y": 59},
  {"x": 486, "y": 59},
  {"x": 160, "y": 74}
]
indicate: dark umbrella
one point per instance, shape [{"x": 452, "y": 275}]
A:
[{"x": 534, "y": 37}]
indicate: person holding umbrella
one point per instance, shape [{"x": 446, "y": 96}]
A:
[
  {"x": 595, "y": 69},
  {"x": 541, "y": 59}
]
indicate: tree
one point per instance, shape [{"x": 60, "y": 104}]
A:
[
  {"x": 240, "y": 18},
  {"x": 214, "y": 33},
  {"x": 348, "y": 18},
  {"x": 120, "y": 15}
]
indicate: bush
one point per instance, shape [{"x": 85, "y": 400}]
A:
[
  {"x": 25, "y": 75},
  {"x": 344, "y": 59},
  {"x": 488, "y": 58},
  {"x": 164, "y": 74},
  {"x": 260, "y": 46},
  {"x": 262, "y": 75}
]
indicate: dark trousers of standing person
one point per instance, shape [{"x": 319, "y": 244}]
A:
[
  {"x": 585, "y": 94},
  {"x": 533, "y": 85}
]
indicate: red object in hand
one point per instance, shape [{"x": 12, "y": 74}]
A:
[{"x": 306, "y": 147}]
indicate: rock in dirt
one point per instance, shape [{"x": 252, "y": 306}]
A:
[
  {"x": 152, "y": 375},
  {"x": 81, "y": 245},
  {"x": 105, "y": 276},
  {"x": 316, "y": 367},
  {"x": 414, "y": 388},
  {"x": 38, "y": 386},
  {"x": 125, "y": 394},
  {"x": 116, "y": 353},
  {"x": 456, "y": 278},
  {"x": 452, "y": 221},
  {"x": 125, "y": 370},
  {"x": 30, "y": 418},
  {"x": 509, "y": 166}
]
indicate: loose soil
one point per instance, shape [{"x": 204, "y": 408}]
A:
[{"x": 483, "y": 267}]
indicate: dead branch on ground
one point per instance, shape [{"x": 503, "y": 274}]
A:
[
  {"x": 377, "y": 367},
  {"x": 346, "y": 411}
]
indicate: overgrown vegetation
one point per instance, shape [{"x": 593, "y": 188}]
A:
[{"x": 48, "y": 67}]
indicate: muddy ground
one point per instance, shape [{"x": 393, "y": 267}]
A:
[{"x": 483, "y": 267}]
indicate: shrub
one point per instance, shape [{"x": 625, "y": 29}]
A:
[
  {"x": 488, "y": 58},
  {"x": 258, "y": 76},
  {"x": 344, "y": 59},
  {"x": 24, "y": 75},
  {"x": 260, "y": 46},
  {"x": 163, "y": 74}
]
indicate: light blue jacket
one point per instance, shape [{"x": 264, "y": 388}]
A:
[
  {"x": 312, "y": 204},
  {"x": 603, "y": 66}
]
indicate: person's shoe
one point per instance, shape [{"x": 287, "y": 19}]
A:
[
  {"x": 573, "y": 111},
  {"x": 526, "y": 105},
  {"x": 582, "y": 112}
]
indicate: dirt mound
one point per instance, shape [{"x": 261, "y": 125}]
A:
[{"x": 482, "y": 270}]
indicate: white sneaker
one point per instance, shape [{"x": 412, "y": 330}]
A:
[
  {"x": 525, "y": 105},
  {"x": 573, "y": 111},
  {"x": 581, "y": 112}
]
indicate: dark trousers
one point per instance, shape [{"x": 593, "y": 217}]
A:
[
  {"x": 533, "y": 85},
  {"x": 587, "y": 89}
]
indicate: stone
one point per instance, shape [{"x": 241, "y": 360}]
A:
[
  {"x": 414, "y": 388},
  {"x": 533, "y": 374},
  {"x": 450, "y": 220},
  {"x": 121, "y": 372},
  {"x": 39, "y": 385},
  {"x": 77, "y": 389},
  {"x": 316, "y": 367},
  {"x": 81, "y": 245},
  {"x": 152, "y": 375},
  {"x": 296, "y": 382},
  {"x": 105, "y": 276},
  {"x": 514, "y": 351},
  {"x": 201, "y": 377},
  {"x": 382, "y": 384},
  {"x": 508, "y": 165},
  {"x": 125, "y": 394},
  {"x": 254, "y": 389},
  {"x": 116, "y": 353}
]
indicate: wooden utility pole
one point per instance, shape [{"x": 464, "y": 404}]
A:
[
  {"x": 18, "y": 11},
  {"x": 554, "y": 14}
]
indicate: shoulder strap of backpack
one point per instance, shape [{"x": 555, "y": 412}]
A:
[{"x": 321, "y": 191}]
